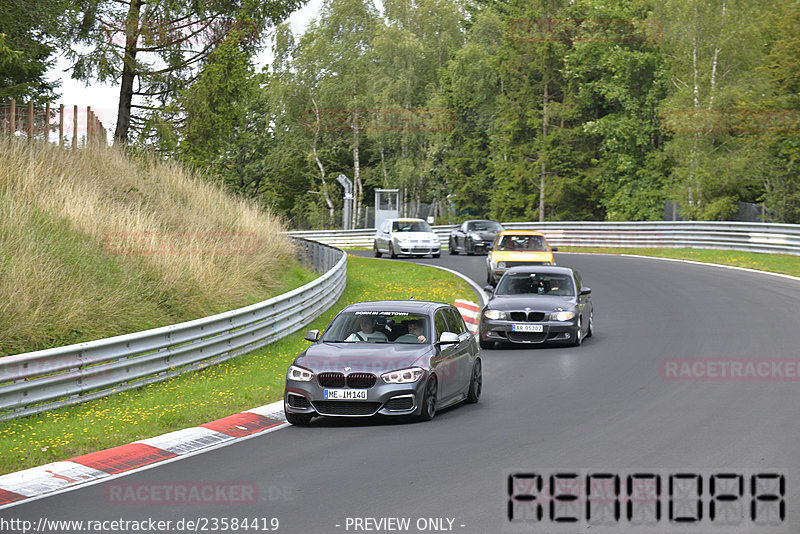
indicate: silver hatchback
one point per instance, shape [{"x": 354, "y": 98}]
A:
[{"x": 407, "y": 237}]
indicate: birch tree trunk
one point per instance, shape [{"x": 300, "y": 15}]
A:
[
  {"x": 325, "y": 195},
  {"x": 543, "y": 172}
]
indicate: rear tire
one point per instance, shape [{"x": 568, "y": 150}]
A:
[
  {"x": 298, "y": 419},
  {"x": 429, "y": 400},
  {"x": 475, "y": 383},
  {"x": 375, "y": 251},
  {"x": 452, "y": 246}
]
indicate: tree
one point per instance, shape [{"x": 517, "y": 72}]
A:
[
  {"x": 712, "y": 62},
  {"x": 29, "y": 32},
  {"x": 154, "y": 47},
  {"x": 620, "y": 77}
]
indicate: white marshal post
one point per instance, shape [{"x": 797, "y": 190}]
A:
[{"x": 347, "y": 184}]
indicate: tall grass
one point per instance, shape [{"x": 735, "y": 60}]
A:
[{"x": 95, "y": 243}]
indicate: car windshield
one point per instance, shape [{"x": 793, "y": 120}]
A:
[
  {"x": 528, "y": 243},
  {"x": 536, "y": 284},
  {"x": 411, "y": 226},
  {"x": 484, "y": 226},
  {"x": 378, "y": 327}
]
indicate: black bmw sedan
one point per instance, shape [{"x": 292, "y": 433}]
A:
[
  {"x": 386, "y": 357},
  {"x": 537, "y": 304}
]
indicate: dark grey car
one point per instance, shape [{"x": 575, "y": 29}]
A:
[
  {"x": 537, "y": 304},
  {"x": 474, "y": 236},
  {"x": 385, "y": 357}
]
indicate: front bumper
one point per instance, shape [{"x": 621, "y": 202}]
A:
[
  {"x": 417, "y": 250},
  {"x": 382, "y": 398},
  {"x": 552, "y": 331}
]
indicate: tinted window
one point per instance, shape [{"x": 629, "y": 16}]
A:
[
  {"x": 530, "y": 243},
  {"x": 535, "y": 284},
  {"x": 411, "y": 226},
  {"x": 440, "y": 323},
  {"x": 455, "y": 321},
  {"x": 385, "y": 326},
  {"x": 485, "y": 226}
]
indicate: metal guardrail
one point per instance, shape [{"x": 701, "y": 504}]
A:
[
  {"x": 38, "y": 381},
  {"x": 749, "y": 237}
]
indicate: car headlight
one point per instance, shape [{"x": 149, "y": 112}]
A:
[
  {"x": 474, "y": 236},
  {"x": 403, "y": 376},
  {"x": 562, "y": 316},
  {"x": 299, "y": 374},
  {"x": 501, "y": 265},
  {"x": 495, "y": 315}
]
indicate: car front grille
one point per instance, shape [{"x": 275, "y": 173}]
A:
[
  {"x": 510, "y": 264},
  {"x": 346, "y": 407},
  {"x": 331, "y": 380},
  {"x": 361, "y": 380},
  {"x": 533, "y": 317},
  {"x": 398, "y": 404},
  {"x": 353, "y": 380}
]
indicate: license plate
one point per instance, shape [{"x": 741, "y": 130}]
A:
[
  {"x": 527, "y": 328},
  {"x": 346, "y": 394}
]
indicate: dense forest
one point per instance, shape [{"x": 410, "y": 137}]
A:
[{"x": 512, "y": 110}]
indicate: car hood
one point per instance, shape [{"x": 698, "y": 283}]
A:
[
  {"x": 510, "y": 255},
  {"x": 415, "y": 235},
  {"x": 363, "y": 357},
  {"x": 545, "y": 303},
  {"x": 485, "y": 235}
]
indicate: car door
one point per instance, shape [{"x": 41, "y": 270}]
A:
[
  {"x": 463, "y": 234},
  {"x": 463, "y": 354},
  {"x": 383, "y": 242},
  {"x": 444, "y": 361}
]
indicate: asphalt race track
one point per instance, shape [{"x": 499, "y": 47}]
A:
[{"x": 602, "y": 407}]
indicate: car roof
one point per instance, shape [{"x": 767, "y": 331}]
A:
[
  {"x": 480, "y": 220},
  {"x": 406, "y": 219},
  {"x": 544, "y": 269},
  {"x": 520, "y": 232},
  {"x": 419, "y": 306}
]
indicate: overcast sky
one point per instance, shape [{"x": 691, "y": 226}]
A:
[{"x": 104, "y": 98}]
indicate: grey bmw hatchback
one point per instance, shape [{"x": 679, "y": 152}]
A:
[{"x": 394, "y": 358}]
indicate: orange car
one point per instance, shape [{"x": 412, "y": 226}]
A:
[{"x": 517, "y": 247}]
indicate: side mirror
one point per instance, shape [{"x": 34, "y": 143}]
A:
[
  {"x": 448, "y": 338},
  {"x": 554, "y": 249},
  {"x": 311, "y": 335},
  {"x": 489, "y": 288},
  {"x": 586, "y": 291}
]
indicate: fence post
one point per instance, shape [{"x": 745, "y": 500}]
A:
[
  {"x": 47, "y": 122},
  {"x": 74, "y": 126},
  {"x": 30, "y": 120},
  {"x": 61, "y": 125},
  {"x": 12, "y": 119}
]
